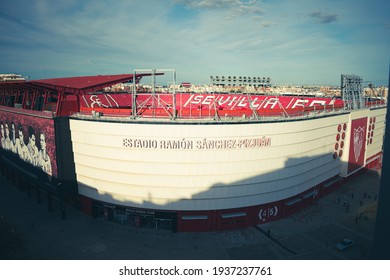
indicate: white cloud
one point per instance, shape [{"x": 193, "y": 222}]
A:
[
  {"x": 284, "y": 39},
  {"x": 208, "y": 4}
]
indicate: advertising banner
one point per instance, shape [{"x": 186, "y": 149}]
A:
[{"x": 225, "y": 101}]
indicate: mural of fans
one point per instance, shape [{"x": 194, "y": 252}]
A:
[
  {"x": 13, "y": 138},
  {"x": 34, "y": 151},
  {"x": 29, "y": 139},
  {"x": 21, "y": 147},
  {"x": 44, "y": 160},
  {"x": 7, "y": 144},
  {"x": 32, "y": 147},
  {"x": 2, "y": 135}
]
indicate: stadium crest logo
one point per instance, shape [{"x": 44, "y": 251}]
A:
[{"x": 358, "y": 137}]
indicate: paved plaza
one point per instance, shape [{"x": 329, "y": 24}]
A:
[{"x": 312, "y": 233}]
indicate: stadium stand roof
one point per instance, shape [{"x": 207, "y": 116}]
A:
[{"x": 72, "y": 84}]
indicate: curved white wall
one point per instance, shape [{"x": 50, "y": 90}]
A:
[
  {"x": 378, "y": 117},
  {"x": 296, "y": 156}
]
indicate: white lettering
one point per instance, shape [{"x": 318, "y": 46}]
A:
[
  {"x": 176, "y": 144},
  {"x": 289, "y": 103},
  {"x": 189, "y": 100},
  {"x": 254, "y": 105},
  {"x": 108, "y": 96},
  {"x": 209, "y": 144},
  {"x": 140, "y": 143},
  {"x": 233, "y": 99},
  {"x": 208, "y": 99},
  {"x": 221, "y": 101},
  {"x": 317, "y": 102},
  {"x": 242, "y": 103},
  {"x": 96, "y": 101},
  {"x": 197, "y": 99},
  {"x": 272, "y": 101},
  {"x": 238, "y": 100},
  {"x": 300, "y": 103}
]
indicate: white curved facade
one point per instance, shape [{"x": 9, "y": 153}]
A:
[
  {"x": 188, "y": 166},
  {"x": 298, "y": 155}
]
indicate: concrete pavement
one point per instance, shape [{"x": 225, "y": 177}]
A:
[{"x": 309, "y": 234}]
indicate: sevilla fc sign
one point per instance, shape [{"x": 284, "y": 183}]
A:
[{"x": 357, "y": 144}]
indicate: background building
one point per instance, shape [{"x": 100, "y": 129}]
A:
[{"x": 241, "y": 81}]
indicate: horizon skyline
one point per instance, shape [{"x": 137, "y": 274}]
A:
[
  {"x": 296, "y": 43},
  {"x": 365, "y": 83}
]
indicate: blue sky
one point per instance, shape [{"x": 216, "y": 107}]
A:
[{"x": 293, "y": 42}]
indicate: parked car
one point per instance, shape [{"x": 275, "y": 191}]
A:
[{"x": 345, "y": 244}]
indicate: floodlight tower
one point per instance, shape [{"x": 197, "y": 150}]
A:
[{"x": 352, "y": 92}]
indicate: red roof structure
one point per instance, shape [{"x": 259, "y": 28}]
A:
[
  {"x": 85, "y": 83},
  {"x": 73, "y": 85},
  {"x": 66, "y": 90}
]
